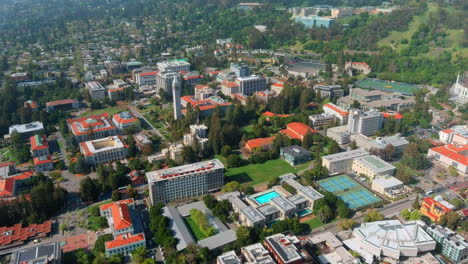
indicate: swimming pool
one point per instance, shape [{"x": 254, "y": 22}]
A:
[
  {"x": 265, "y": 198},
  {"x": 304, "y": 212}
]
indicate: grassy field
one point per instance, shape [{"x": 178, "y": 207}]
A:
[
  {"x": 93, "y": 223},
  {"x": 111, "y": 110},
  {"x": 315, "y": 222},
  {"x": 195, "y": 229},
  {"x": 254, "y": 174}
]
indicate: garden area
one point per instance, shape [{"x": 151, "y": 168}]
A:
[{"x": 199, "y": 224}]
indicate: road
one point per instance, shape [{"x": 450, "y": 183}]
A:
[{"x": 140, "y": 116}]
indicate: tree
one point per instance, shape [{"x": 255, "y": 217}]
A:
[
  {"x": 139, "y": 255},
  {"x": 233, "y": 161},
  {"x": 452, "y": 171},
  {"x": 416, "y": 203},
  {"x": 457, "y": 203},
  {"x": 226, "y": 151},
  {"x": 325, "y": 214},
  {"x": 99, "y": 244},
  {"x": 89, "y": 191},
  {"x": 231, "y": 186},
  {"x": 450, "y": 220},
  {"x": 347, "y": 224},
  {"x": 210, "y": 201},
  {"x": 415, "y": 215},
  {"x": 343, "y": 210},
  {"x": 116, "y": 195},
  {"x": 373, "y": 216},
  {"x": 405, "y": 214},
  {"x": 243, "y": 236}
]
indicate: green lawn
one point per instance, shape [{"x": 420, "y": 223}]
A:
[
  {"x": 111, "y": 110},
  {"x": 303, "y": 166},
  {"x": 93, "y": 223},
  {"x": 195, "y": 229},
  {"x": 315, "y": 222},
  {"x": 254, "y": 174}
]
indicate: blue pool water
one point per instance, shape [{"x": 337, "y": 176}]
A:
[
  {"x": 265, "y": 198},
  {"x": 304, "y": 212}
]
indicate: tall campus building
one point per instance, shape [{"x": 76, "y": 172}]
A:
[
  {"x": 366, "y": 123},
  {"x": 185, "y": 181},
  {"x": 176, "y": 87}
]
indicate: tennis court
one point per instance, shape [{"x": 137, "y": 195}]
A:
[
  {"x": 351, "y": 192},
  {"x": 395, "y": 87}
]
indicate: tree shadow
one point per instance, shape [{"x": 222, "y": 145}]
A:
[{"x": 240, "y": 177}]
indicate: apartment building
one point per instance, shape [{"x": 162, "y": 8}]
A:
[
  {"x": 185, "y": 181},
  {"x": 124, "y": 120},
  {"x": 286, "y": 249},
  {"x": 104, "y": 150},
  {"x": 39, "y": 145},
  {"x": 342, "y": 162},
  {"x": 122, "y": 216},
  {"x": 96, "y": 90},
  {"x": 174, "y": 66},
  {"x": 454, "y": 246},
  {"x": 372, "y": 166},
  {"x": 329, "y": 91},
  {"x": 92, "y": 127},
  {"x": 364, "y": 122},
  {"x": 250, "y": 85}
]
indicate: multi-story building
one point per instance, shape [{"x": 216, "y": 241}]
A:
[
  {"x": 459, "y": 90},
  {"x": 92, "y": 127},
  {"x": 286, "y": 249},
  {"x": 206, "y": 106},
  {"x": 121, "y": 216},
  {"x": 27, "y": 130},
  {"x": 240, "y": 70},
  {"x": 295, "y": 155},
  {"x": 164, "y": 81},
  {"x": 433, "y": 209},
  {"x": 115, "y": 67},
  {"x": 256, "y": 253},
  {"x": 388, "y": 185},
  {"x": 146, "y": 78},
  {"x": 399, "y": 143},
  {"x": 250, "y": 85},
  {"x": 229, "y": 257},
  {"x": 176, "y": 89},
  {"x": 334, "y": 251},
  {"x": 366, "y": 123},
  {"x": 337, "y": 112},
  {"x": 376, "y": 99},
  {"x": 329, "y": 91},
  {"x": 372, "y": 166},
  {"x": 451, "y": 155},
  {"x": 7, "y": 169},
  {"x": 447, "y": 135},
  {"x": 104, "y": 150},
  {"x": 124, "y": 120},
  {"x": 174, "y": 66},
  {"x": 203, "y": 92},
  {"x": 43, "y": 163},
  {"x": 64, "y": 105},
  {"x": 322, "y": 119},
  {"x": 454, "y": 246},
  {"x": 39, "y": 145},
  {"x": 229, "y": 88},
  {"x": 96, "y": 90},
  {"x": 192, "y": 78},
  {"x": 340, "y": 134},
  {"x": 342, "y": 162},
  {"x": 185, "y": 181},
  {"x": 50, "y": 253},
  {"x": 142, "y": 140},
  {"x": 297, "y": 130},
  {"x": 256, "y": 144}
]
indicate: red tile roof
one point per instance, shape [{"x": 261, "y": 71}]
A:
[
  {"x": 121, "y": 216},
  {"x": 115, "y": 90},
  {"x": 7, "y": 187},
  {"x": 201, "y": 86},
  {"x": 8, "y": 163},
  {"x": 428, "y": 202},
  {"x": 60, "y": 102},
  {"x": 40, "y": 161},
  {"x": 448, "y": 131},
  {"x": 90, "y": 126},
  {"x": 228, "y": 84},
  {"x": 31, "y": 104},
  {"x": 123, "y": 240},
  {"x": 278, "y": 85},
  {"x": 297, "y": 130},
  {"x": 38, "y": 142},
  {"x": 259, "y": 142},
  {"x": 18, "y": 235},
  {"x": 271, "y": 114},
  {"x": 107, "y": 206},
  {"x": 336, "y": 109},
  {"x": 452, "y": 152},
  {"x": 23, "y": 175},
  {"x": 395, "y": 115},
  {"x": 148, "y": 73},
  {"x": 122, "y": 120}
]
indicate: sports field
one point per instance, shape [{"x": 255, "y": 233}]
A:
[
  {"x": 388, "y": 86},
  {"x": 351, "y": 192}
]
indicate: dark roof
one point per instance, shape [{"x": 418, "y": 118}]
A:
[{"x": 295, "y": 150}]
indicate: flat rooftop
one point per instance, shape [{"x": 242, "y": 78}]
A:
[
  {"x": 352, "y": 154},
  {"x": 184, "y": 170},
  {"x": 375, "y": 163}
]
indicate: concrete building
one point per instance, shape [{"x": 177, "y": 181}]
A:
[
  {"x": 447, "y": 135},
  {"x": 115, "y": 67},
  {"x": 104, "y": 150},
  {"x": 315, "y": 21},
  {"x": 399, "y": 143},
  {"x": 50, "y": 253},
  {"x": 197, "y": 134},
  {"x": 142, "y": 140},
  {"x": 229, "y": 88},
  {"x": 240, "y": 70},
  {"x": 203, "y": 92},
  {"x": 125, "y": 120},
  {"x": 27, "y": 130},
  {"x": 164, "y": 81},
  {"x": 250, "y": 85},
  {"x": 39, "y": 146},
  {"x": 305, "y": 69},
  {"x": 366, "y": 123},
  {"x": 342, "y": 162},
  {"x": 329, "y": 91},
  {"x": 96, "y": 90},
  {"x": 376, "y": 99},
  {"x": 459, "y": 90},
  {"x": 176, "y": 87},
  {"x": 388, "y": 186},
  {"x": 322, "y": 119},
  {"x": 185, "y": 181},
  {"x": 64, "y": 105},
  {"x": 295, "y": 155},
  {"x": 337, "y": 112},
  {"x": 146, "y": 78},
  {"x": 174, "y": 66},
  {"x": 454, "y": 246},
  {"x": 390, "y": 239},
  {"x": 372, "y": 166},
  {"x": 451, "y": 155},
  {"x": 286, "y": 249},
  {"x": 92, "y": 127},
  {"x": 123, "y": 218},
  {"x": 340, "y": 134},
  {"x": 206, "y": 106},
  {"x": 256, "y": 253},
  {"x": 333, "y": 251},
  {"x": 229, "y": 257}
]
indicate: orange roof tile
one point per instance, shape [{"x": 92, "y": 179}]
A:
[
  {"x": 38, "y": 142},
  {"x": 121, "y": 216},
  {"x": 336, "y": 109},
  {"x": 118, "y": 117},
  {"x": 143, "y": 74},
  {"x": 297, "y": 130},
  {"x": 60, "y": 102},
  {"x": 452, "y": 152},
  {"x": 39, "y": 161},
  {"x": 122, "y": 240},
  {"x": 7, "y": 187},
  {"x": 259, "y": 142}
]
